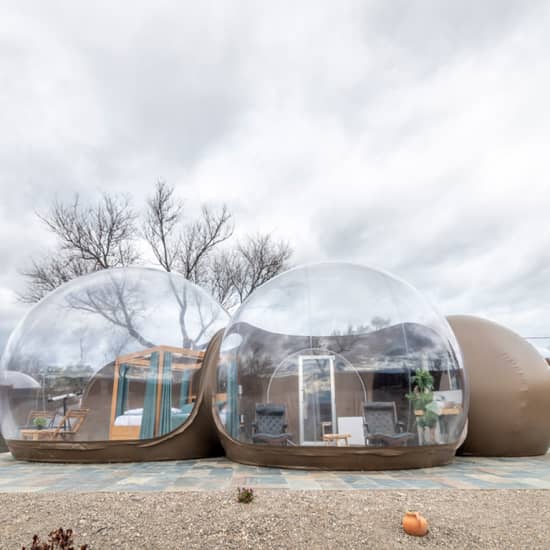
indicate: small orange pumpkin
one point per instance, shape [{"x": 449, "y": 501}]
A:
[{"x": 415, "y": 524}]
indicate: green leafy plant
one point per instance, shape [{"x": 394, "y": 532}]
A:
[
  {"x": 58, "y": 539},
  {"x": 40, "y": 422},
  {"x": 245, "y": 494},
  {"x": 428, "y": 419},
  {"x": 422, "y": 399},
  {"x": 423, "y": 380},
  {"x": 422, "y": 394}
]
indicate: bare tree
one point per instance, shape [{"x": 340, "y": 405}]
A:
[
  {"x": 119, "y": 303},
  {"x": 90, "y": 238},
  {"x": 101, "y": 234},
  {"x": 160, "y": 228},
  {"x": 199, "y": 239},
  {"x": 223, "y": 271},
  {"x": 184, "y": 247},
  {"x": 203, "y": 313},
  {"x": 235, "y": 274},
  {"x": 46, "y": 275},
  {"x": 262, "y": 259}
]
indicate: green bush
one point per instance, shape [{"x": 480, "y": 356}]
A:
[
  {"x": 40, "y": 422},
  {"x": 245, "y": 494}
]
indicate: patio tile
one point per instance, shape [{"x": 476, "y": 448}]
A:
[
  {"x": 266, "y": 480},
  {"x": 303, "y": 484},
  {"x": 220, "y": 473},
  {"x": 136, "y": 481}
]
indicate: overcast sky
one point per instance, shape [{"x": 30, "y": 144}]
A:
[{"x": 413, "y": 136}]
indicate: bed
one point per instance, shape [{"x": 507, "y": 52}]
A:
[{"x": 127, "y": 425}]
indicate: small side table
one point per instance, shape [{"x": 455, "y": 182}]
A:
[
  {"x": 34, "y": 434},
  {"x": 334, "y": 439}
]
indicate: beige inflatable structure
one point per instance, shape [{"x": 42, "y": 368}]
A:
[{"x": 509, "y": 413}]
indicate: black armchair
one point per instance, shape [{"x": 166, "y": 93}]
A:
[
  {"x": 381, "y": 425},
  {"x": 270, "y": 425}
]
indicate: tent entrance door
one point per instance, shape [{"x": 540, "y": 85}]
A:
[{"x": 316, "y": 398}]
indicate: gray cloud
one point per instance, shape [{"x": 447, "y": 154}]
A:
[{"x": 412, "y": 137}]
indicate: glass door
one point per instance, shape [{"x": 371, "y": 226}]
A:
[{"x": 316, "y": 391}]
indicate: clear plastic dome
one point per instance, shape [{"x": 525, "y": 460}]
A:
[
  {"x": 340, "y": 354},
  {"x": 109, "y": 356}
]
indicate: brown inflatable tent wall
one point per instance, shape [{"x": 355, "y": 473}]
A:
[
  {"x": 3, "y": 446},
  {"x": 196, "y": 438},
  {"x": 509, "y": 381}
]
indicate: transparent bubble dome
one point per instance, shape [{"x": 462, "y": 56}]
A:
[
  {"x": 340, "y": 354},
  {"x": 108, "y": 356}
]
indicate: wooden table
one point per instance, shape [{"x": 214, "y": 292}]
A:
[
  {"x": 335, "y": 438},
  {"x": 445, "y": 416},
  {"x": 442, "y": 412},
  {"x": 35, "y": 434}
]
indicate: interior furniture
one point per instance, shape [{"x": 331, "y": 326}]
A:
[
  {"x": 270, "y": 426},
  {"x": 48, "y": 415},
  {"x": 152, "y": 368},
  {"x": 35, "y": 434},
  {"x": 352, "y": 425},
  {"x": 326, "y": 427},
  {"x": 446, "y": 416},
  {"x": 334, "y": 439},
  {"x": 448, "y": 411},
  {"x": 68, "y": 426},
  {"x": 70, "y": 423},
  {"x": 30, "y": 431},
  {"x": 381, "y": 425}
]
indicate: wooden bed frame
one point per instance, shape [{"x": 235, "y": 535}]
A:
[{"x": 141, "y": 359}]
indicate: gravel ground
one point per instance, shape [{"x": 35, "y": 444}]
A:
[{"x": 503, "y": 519}]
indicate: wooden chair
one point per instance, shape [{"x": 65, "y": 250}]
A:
[{"x": 71, "y": 423}]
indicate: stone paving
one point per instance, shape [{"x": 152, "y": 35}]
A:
[{"x": 220, "y": 473}]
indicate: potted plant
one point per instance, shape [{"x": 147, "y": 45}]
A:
[
  {"x": 423, "y": 380},
  {"x": 40, "y": 422},
  {"x": 427, "y": 423},
  {"x": 424, "y": 406},
  {"x": 422, "y": 394}
]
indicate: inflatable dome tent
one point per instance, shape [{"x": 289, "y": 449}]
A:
[
  {"x": 115, "y": 359},
  {"x": 339, "y": 366},
  {"x": 21, "y": 386},
  {"x": 509, "y": 390}
]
